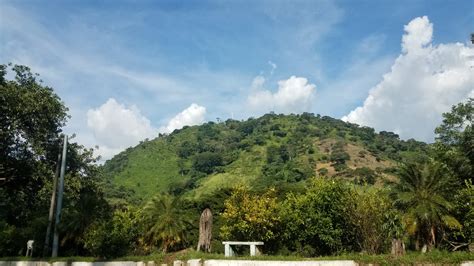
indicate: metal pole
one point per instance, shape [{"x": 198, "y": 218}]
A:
[
  {"x": 60, "y": 200},
  {"x": 51, "y": 207}
]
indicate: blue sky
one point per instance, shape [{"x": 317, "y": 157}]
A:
[{"x": 151, "y": 60}]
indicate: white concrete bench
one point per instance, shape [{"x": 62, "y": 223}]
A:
[{"x": 253, "y": 247}]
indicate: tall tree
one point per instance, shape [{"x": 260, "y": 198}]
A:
[
  {"x": 31, "y": 121},
  {"x": 165, "y": 222},
  {"x": 31, "y": 117},
  {"x": 455, "y": 140},
  {"x": 421, "y": 194}
]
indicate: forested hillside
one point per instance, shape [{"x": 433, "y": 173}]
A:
[
  {"x": 274, "y": 150},
  {"x": 306, "y": 185}
]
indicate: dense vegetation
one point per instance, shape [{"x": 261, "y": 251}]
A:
[
  {"x": 306, "y": 185},
  {"x": 274, "y": 150}
]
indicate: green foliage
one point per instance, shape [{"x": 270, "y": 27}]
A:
[
  {"x": 455, "y": 140},
  {"x": 276, "y": 149},
  {"x": 310, "y": 216},
  {"x": 463, "y": 211},
  {"x": 364, "y": 175},
  {"x": 207, "y": 162},
  {"x": 317, "y": 221},
  {"x": 339, "y": 156},
  {"x": 422, "y": 194},
  {"x": 372, "y": 214},
  {"x": 114, "y": 237},
  {"x": 250, "y": 216},
  {"x": 165, "y": 223},
  {"x": 7, "y": 235},
  {"x": 435, "y": 258},
  {"x": 29, "y": 142},
  {"x": 31, "y": 118}
]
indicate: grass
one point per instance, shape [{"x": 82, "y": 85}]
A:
[
  {"x": 154, "y": 257},
  {"x": 434, "y": 258}
]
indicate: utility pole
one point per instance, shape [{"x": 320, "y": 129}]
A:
[
  {"x": 60, "y": 199},
  {"x": 51, "y": 206}
]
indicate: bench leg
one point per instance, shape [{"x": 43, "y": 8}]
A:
[
  {"x": 228, "y": 251},
  {"x": 252, "y": 250}
]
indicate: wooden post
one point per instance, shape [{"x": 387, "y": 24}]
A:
[{"x": 205, "y": 231}]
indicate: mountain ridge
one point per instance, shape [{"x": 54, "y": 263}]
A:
[{"x": 272, "y": 150}]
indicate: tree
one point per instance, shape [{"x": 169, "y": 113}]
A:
[
  {"x": 464, "y": 213},
  {"x": 164, "y": 222},
  {"x": 422, "y": 195},
  {"x": 31, "y": 117},
  {"x": 206, "y": 162},
  {"x": 250, "y": 216},
  {"x": 116, "y": 236},
  {"x": 368, "y": 213},
  {"x": 317, "y": 221},
  {"x": 455, "y": 140},
  {"x": 31, "y": 121}
]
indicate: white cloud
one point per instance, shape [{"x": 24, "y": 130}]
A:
[
  {"x": 193, "y": 115},
  {"x": 425, "y": 81},
  {"x": 419, "y": 33},
  {"x": 294, "y": 95},
  {"x": 116, "y": 127}
]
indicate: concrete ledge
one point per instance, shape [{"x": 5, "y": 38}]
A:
[
  {"x": 197, "y": 262},
  {"x": 278, "y": 263}
]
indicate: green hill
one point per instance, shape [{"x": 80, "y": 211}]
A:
[{"x": 273, "y": 150}]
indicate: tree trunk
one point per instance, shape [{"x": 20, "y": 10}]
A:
[
  {"x": 205, "y": 231},
  {"x": 398, "y": 247},
  {"x": 433, "y": 236}
]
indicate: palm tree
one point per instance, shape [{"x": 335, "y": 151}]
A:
[
  {"x": 421, "y": 194},
  {"x": 164, "y": 221}
]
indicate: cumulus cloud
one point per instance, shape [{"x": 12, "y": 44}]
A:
[
  {"x": 425, "y": 81},
  {"x": 116, "y": 127},
  {"x": 193, "y": 115},
  {"x": 294, "y": 95}
]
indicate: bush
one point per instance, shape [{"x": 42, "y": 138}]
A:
[
  {"x": 115, "y": 237},
  {"x": 318, "y": 220},
  {"x": 250, "y": 216},
  {"x": 206, "y": 162},
  {"x": 370, "y": 215}
]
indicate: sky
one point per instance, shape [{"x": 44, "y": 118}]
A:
[{"x": 129, "y": 70}]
